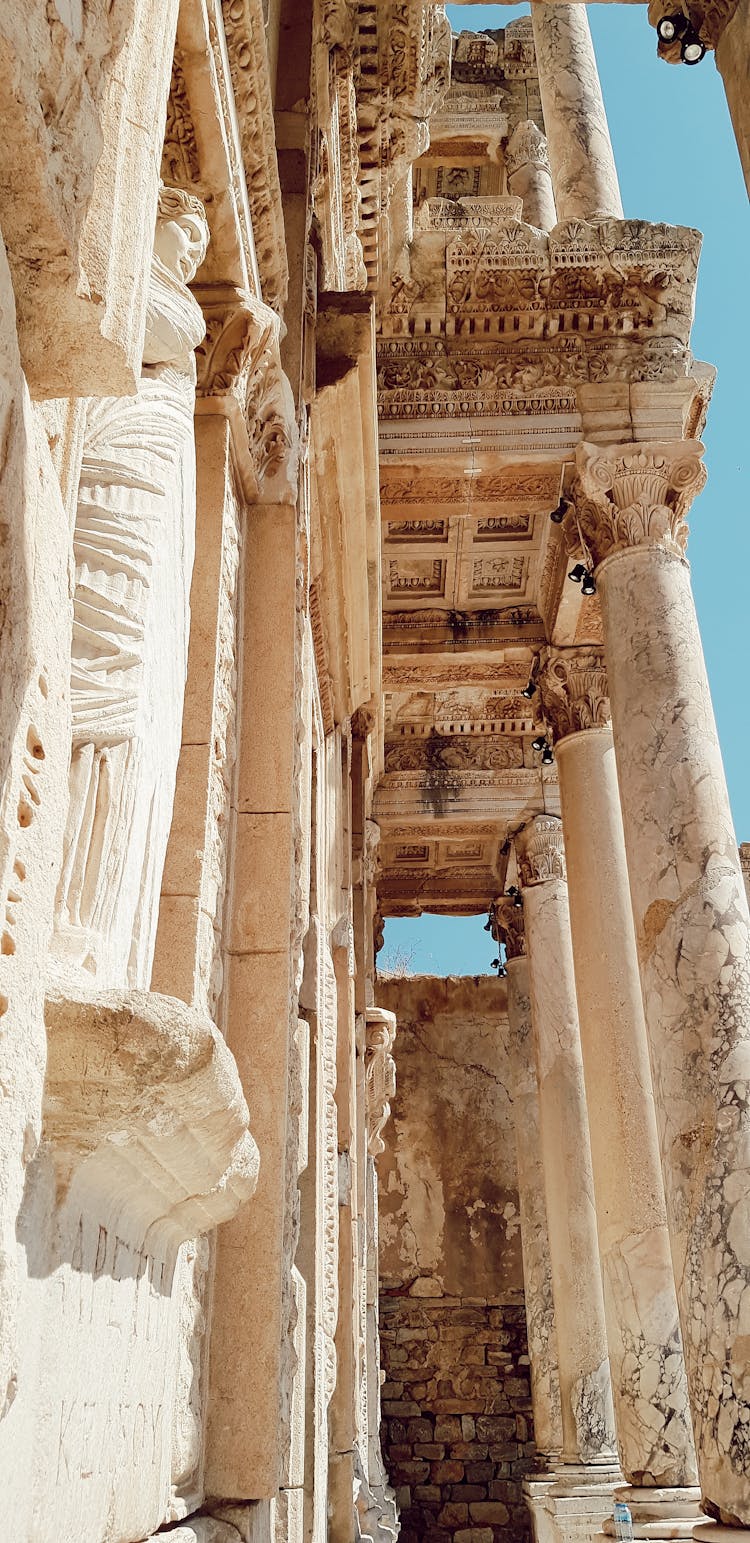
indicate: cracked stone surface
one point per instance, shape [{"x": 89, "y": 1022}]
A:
[{"x": 693, "y": 934}]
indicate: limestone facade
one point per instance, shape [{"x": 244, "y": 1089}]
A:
[{"x": 311, "y": 315}]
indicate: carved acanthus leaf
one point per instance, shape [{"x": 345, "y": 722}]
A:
[
  {"x": 507, "y": 925},
  {"x": 540, "y": 851},
  {"x": 527, "y": 146},
  {"x": 380, "y": 1074},
  {"x": 245, "y": 32},
  {"x": 637, "y": 495},
  {"x": 573, "y": 688}
]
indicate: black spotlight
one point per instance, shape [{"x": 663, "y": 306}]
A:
[
  {"x": 537, "y": 744},
  {"x": 513, "y": 891},
  {"x": 692, "y": 50},
  {"x": 528, "y": 691},
  {"x": 488, "y": 925},
  {"x": 518, "y": 900},
  {"x": 547, "y": 756},
  {"x": 577, "y": 573},
  {"x": 670, "y": 27},
  {"x": 588, "y": 586},
  {"x": 558, "y": 515}
]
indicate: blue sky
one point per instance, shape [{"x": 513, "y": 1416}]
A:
[{"x": 678, "y": 162}]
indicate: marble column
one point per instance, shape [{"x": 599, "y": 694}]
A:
[
  {"x": 507, "y": 927},
  {"x": 584, "y": 175},
  {"x": 528, "y": 174},
  {"x": 692, "y": 925},
  {"x": 649, "y": 1386},
  {"x": 588, "y": 1455}
]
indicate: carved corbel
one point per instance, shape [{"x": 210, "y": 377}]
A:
[
  {"x": 144, "y": 1114},
  {"x": 380, "y": 1074},
  {"x": 540, "y": 851},
  {"x": 240, "y": 374},
  {"x": 637, "y": 495},
  {"x": 573, "y": 690}
]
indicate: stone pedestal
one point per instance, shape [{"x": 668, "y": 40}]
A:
[
  {"x": 573, "y": 1505},
  {"x": 692, "y": 925},
  {"x": 584, "y": 176},
  {"x": 586, "y": 1397},
  {"x": 649, "y": 1386}
]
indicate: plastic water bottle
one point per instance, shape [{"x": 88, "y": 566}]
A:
[{"x": 623, "y": 1522}]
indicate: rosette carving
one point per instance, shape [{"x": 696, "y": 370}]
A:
[
  {"x": 637, "y": 495},
  {"x": 540, "y": 851},
  {"x": 573, "y": 687},
  {"x": 507, "y": 926}
]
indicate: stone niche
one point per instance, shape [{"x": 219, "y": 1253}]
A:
[{"x": 457, "y": 1430}]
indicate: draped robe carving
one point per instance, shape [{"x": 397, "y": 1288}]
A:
[{"x": 134, "y": 546}]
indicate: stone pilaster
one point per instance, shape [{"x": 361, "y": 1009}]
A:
[
  {"x": 584, "y": 176},
  {"x": 588, "y": 1452},
  {"x": 507, "y": 920},
  {"x": 645, "y": 1348},
  {"x": 528, "y": 174},
  {"x": 692, "y": 924}
]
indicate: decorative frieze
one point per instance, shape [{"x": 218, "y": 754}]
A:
[
  {"x": 573, "y": 687},
  {"x": 540, "y": 850},
  {"x": 637, "y": 495},
  {"x": 245, "y": 35}
]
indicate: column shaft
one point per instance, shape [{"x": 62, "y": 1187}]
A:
[
  {"x": 584, "y": 176},
  {"x": 648, "y": 1372},
  {"x": 537, "y": 1275},
  {"x": 587, "y": 1414},
  {"x": 693, "y": 934}
]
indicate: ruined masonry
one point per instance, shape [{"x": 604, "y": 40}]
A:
[{"x": 327, "y": 359}]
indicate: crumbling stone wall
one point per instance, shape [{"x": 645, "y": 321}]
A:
[
  {"x": 457, "y": 1427},
  {"x": 457, "y": 1433}
]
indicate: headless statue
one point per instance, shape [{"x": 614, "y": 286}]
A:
[{"x": 134, "y": 546}]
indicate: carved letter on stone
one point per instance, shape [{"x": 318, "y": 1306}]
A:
[{"x": 134, "y": 543}]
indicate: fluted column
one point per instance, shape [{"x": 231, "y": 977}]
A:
[
  {"x": 586, "y": 1397},
  {"x": 692, "y": 925},
  {"x": 507, "y": 927},
  {"x": 649, "y": 1385},
  {"x": 528, "y": 174},
  {"x": 584, "y": 175}
]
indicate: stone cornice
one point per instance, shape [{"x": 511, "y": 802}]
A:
[
  {"x": 507, "y": 926},
  {"x": 573, "y": 689},
  {"x": 540, "y": 851},
  {"x": 637, "y": 495}
]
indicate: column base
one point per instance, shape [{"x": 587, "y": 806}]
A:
[
  {"x": 570, "y": 1502},
  {"x": 715, "y": 1532},
  {"x": 668, "y": 1512}
]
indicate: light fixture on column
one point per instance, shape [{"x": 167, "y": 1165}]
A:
[
  {"x": 669, "y": 28},
  {"x": 537, "y": 744},
  {"x": 515, "y": 895},
  {"x": 547, "y": 756},
  {"x": 577, "y": 573},
  {"x": 558, "y": 515},
  {"x": 530, "y": 687},
  {"x": 588, "y": 587},
  {"x": 692, "y": 50},
  {"x": 498, "y": 965}
]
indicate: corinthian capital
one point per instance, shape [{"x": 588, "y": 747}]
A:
[
  {"x": 637, "y": 495},
  {"x": 506, "y": 923},
  {"x": 540, "y": 852},
  {"x": 573, "y": 687}
]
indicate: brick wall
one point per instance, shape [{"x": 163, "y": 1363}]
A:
[{"x": 457, "y": 1433}]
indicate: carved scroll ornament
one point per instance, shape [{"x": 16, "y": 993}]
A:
[
  {"x": 573, "y": 686},
  {"x": 637, "y": 495}
]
